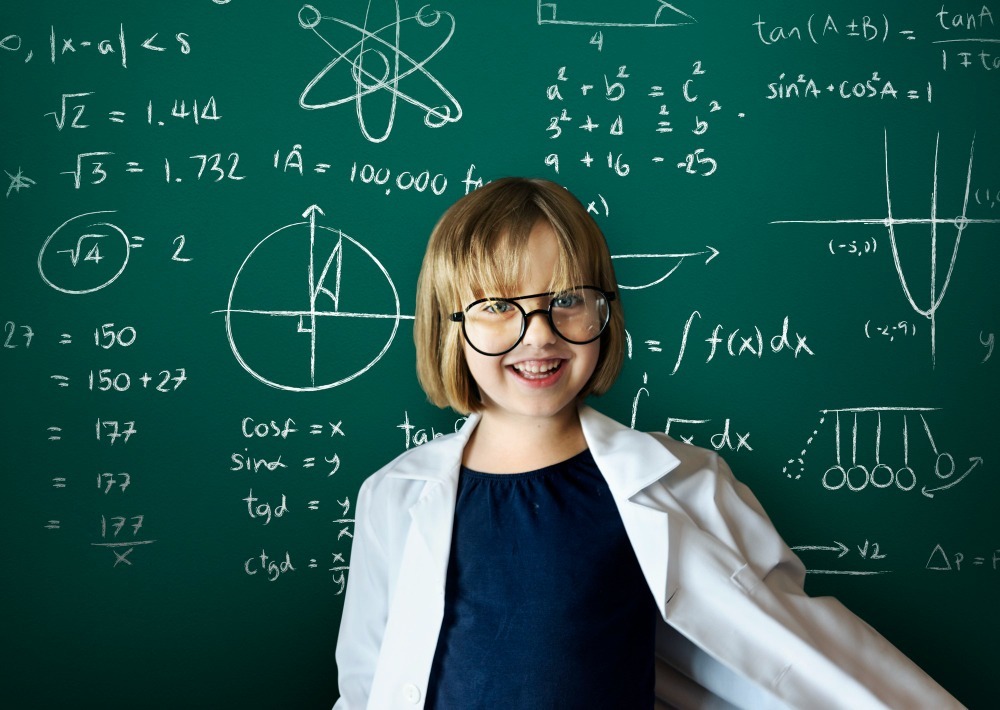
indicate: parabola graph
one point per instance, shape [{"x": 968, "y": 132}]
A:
[
  {"x": 310, "y": 308},
  {"x": 891, "y": 222}
]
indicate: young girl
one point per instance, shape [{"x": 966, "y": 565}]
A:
[{"x": 546, "y": 556}]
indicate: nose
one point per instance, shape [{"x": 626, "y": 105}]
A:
[{"x": 538, "y": 331}]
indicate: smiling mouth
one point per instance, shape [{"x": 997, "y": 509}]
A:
[{"x": 536, "y": 369}]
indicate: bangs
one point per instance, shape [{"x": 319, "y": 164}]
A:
[{"x": 496, "y": 263}]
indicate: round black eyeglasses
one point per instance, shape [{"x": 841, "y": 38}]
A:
[{"x": 494, "y": 326}]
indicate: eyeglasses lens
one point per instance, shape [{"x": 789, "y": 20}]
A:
[{"x": 495, "y": 326}]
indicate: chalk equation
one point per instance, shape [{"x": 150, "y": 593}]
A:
[
  {"x": 870, "y": 469},
  {"x": 875, "y": 87},
  {"x": 698, "y": 432},
  {"x": 661, "y": 116},
  {"x": 866, "y": 559},
  {"x": 825, "y": 28},
  {"x": 266, "y": 501},
  {"x": 272, "y": 567},
  {"x": 87, "y": 253},
  {"x": 85, "y": 240},
  {"x": 72, "y": 112},
  {"x": 113, "y": 45},
  {"x": 740, "y": 341},
  {"x": 819, "y": 558},
  {"x": 120, "y": 535},
  {"x": 95, "y": 167},
  {"x": 950, "y": 560},
  {"x": 967, "y": 30},
  {"x": 373, "y": 62}
]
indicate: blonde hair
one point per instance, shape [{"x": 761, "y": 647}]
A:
[{"x": 478, "y": 247}]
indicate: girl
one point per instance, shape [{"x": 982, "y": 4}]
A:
[{"x": 546, "y": 556}]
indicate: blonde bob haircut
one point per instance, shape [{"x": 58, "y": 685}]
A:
[{"x": 478, "y": 248}]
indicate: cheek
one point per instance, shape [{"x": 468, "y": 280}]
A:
[
  {"x": 589, "y": 356},
  {"x": 477, "y": 364}
]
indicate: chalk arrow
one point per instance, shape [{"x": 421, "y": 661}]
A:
[
  {"x": 839, "y": 547},
  {"x": 974, "y": 460}
]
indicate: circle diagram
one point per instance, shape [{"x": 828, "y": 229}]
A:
[{"x": 310, "y": 308}]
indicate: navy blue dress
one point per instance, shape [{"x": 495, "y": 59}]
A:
[{"x": 545, "y": 603}]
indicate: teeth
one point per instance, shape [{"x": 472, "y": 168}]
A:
[{"x": 536, "y": 367}]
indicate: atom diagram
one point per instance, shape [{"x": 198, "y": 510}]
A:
[{"x": 377, "y": 65}]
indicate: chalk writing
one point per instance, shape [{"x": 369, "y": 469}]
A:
[
  {"x": 867, "y": 246},
  {"x": 824, "y": 28},
  {"x": 108, "y": 380},
  {"x": 121, "y": 547},
  {"x": 941, "y": 561},
  {"x": 17, "y": 335},
  {"x": 874, "y": 87},
  {"x": 612, "y": 87},
  {"x": 868, "y": 471},
  {"x": 890, "y": 330},
  {"x": 653, "y": 14},
  {"x": 18, "y": 181},
  {"x": 752, "y": 342},
  {"x": 272, "y": 568},
  {"x": 870, "y": 551},
  {"x": 891, "y": 223},
  {"x": 113, "y": 430},
  {"x": 705, "y": 434},
  {"x": 73, "y": 109},
  {"x": 94, "y": 241},
  {"x": 265, "y": 506},
  {"x": 987, "y": 341},
  {"x": 297, "y": 245},
  {"x": 629, "y": 267},
  {"x": 415, "y": 436}
]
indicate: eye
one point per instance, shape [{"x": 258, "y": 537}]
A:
[
  {"x": 567, "y": 300},
  {"x": 498, "y": 308}
]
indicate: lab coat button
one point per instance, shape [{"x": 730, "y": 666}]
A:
[{"x": 411, "y": 693}]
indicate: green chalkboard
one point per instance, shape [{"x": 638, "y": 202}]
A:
[{"x": 213, "y": 217}]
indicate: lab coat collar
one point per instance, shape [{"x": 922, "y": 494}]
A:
[{"x": 629, "y": 460}]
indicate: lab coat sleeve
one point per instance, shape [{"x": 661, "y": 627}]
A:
[
  {"x": 843, "y": 638},
  {"x": 365, "y": 608}
]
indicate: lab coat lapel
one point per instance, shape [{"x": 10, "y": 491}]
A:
[
  {"x": 630, "y": 462},
  {"x": 428, "y": 545},
  {"x": 417, "y": 606}
]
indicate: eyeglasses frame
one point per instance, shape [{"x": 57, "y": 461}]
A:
[{"x": 459, "y": 317}]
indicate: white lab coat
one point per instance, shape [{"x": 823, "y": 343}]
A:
[{"x": 738, "y": 627}]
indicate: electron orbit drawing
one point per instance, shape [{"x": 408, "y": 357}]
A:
[
  {"x": 374, "y": 63},
  {"x": 85, "y": 253},
  {"x": 891, "y": 223},
  {"x": 310, "y": 308}
]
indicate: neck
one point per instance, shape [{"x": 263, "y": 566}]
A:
[{"x": 504, "y": 443}]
